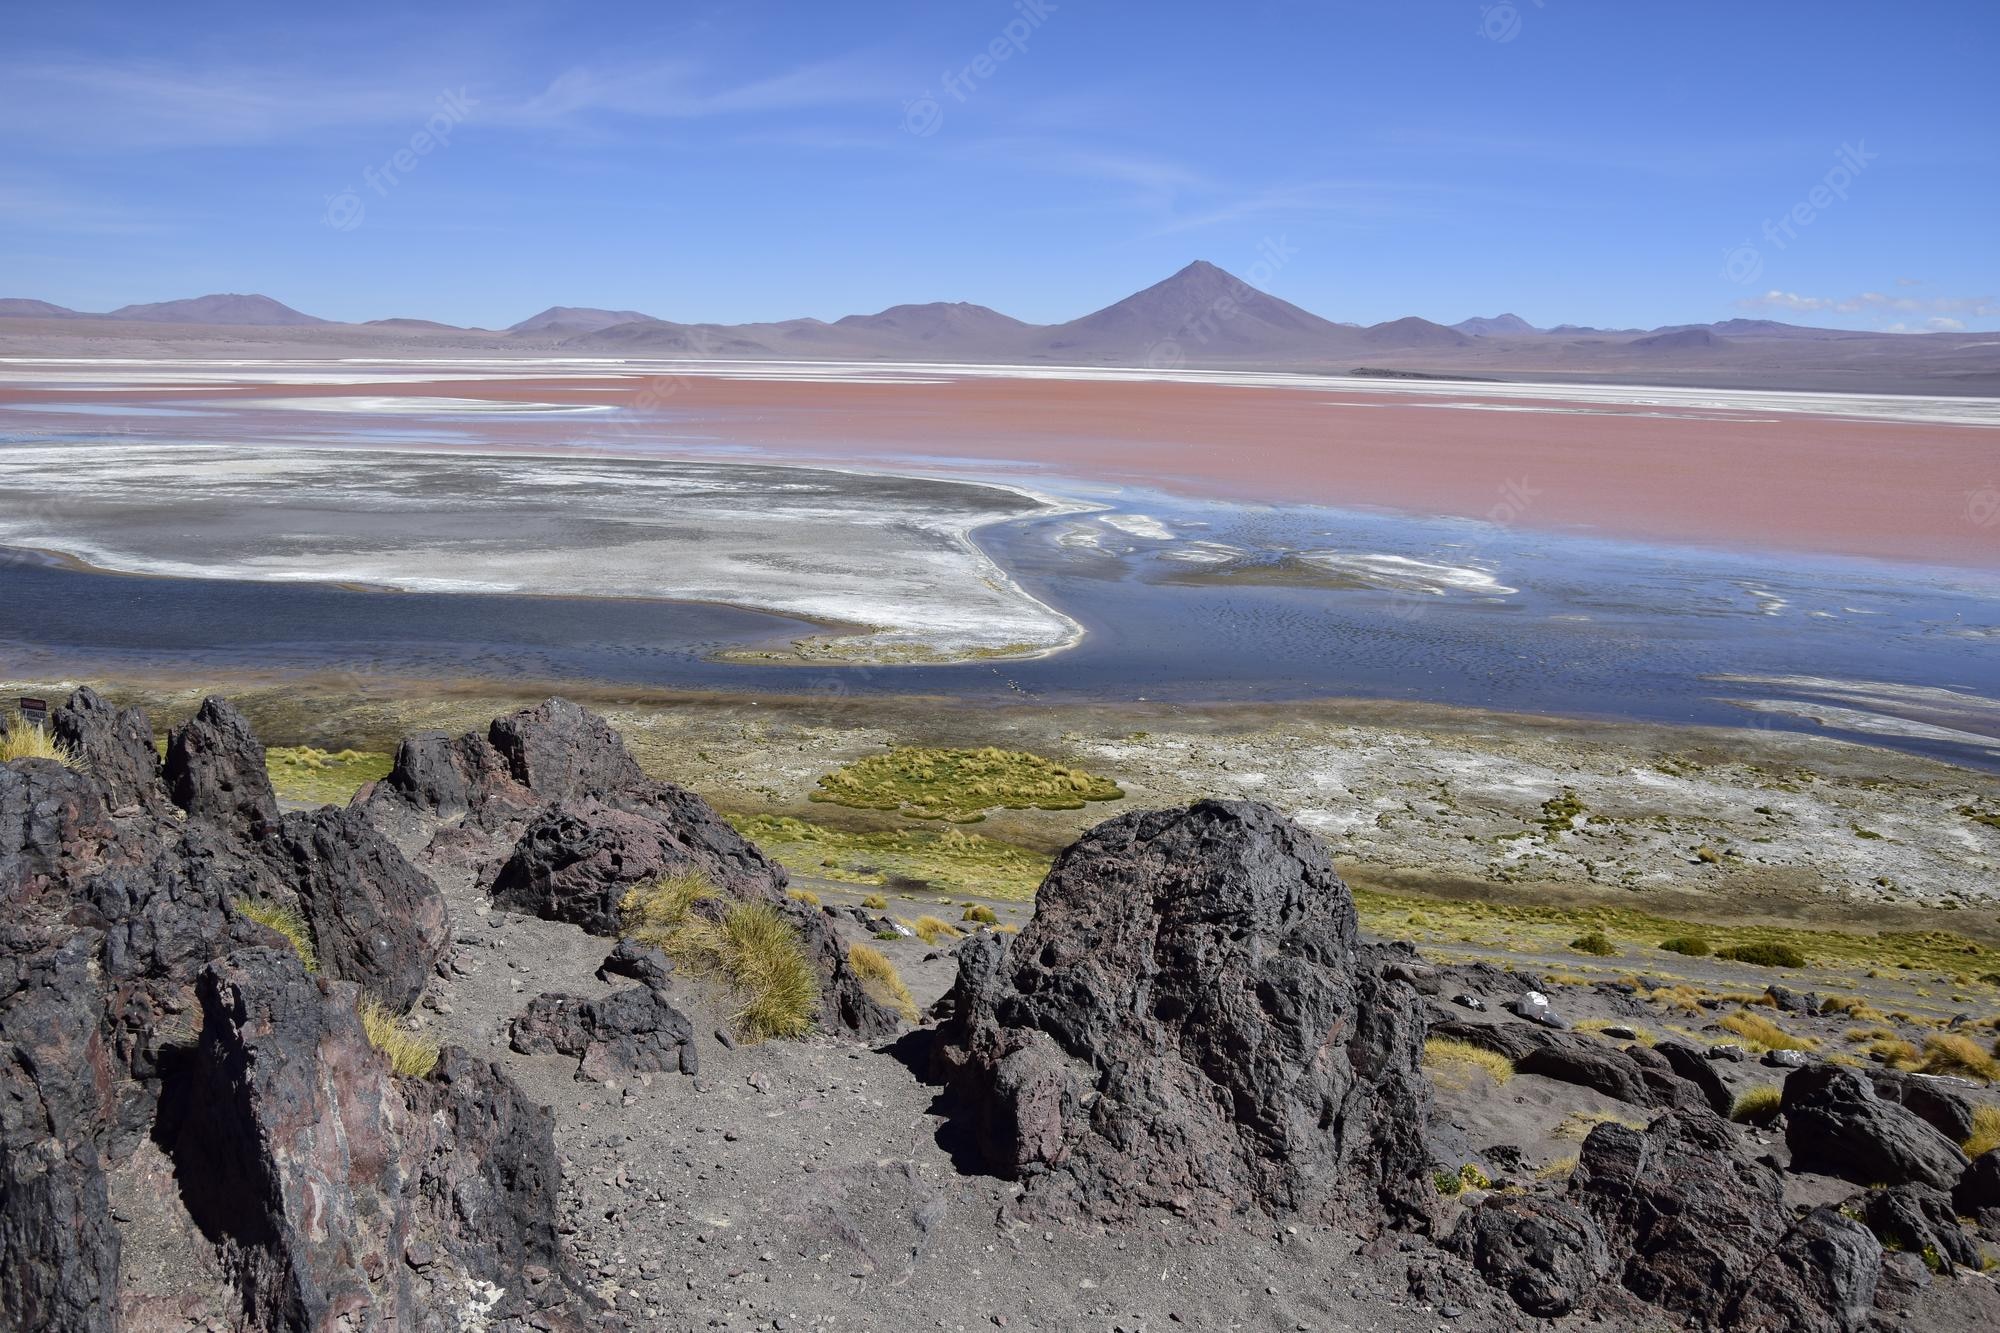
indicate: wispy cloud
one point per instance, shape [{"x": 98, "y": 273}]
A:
[
  {"x": 1356, "y": 198},
  {"x": 40, "y": 208},
  {"x": 1980, "y": 307}
]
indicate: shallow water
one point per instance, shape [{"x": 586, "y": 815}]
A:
[{"x": 1179, "y": 599}]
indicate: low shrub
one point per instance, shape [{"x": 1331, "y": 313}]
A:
[
  {"x": 1689, "y": 946},
  {"x": 1757, "y": 1106},
  {"x": 1764, "y": 953},
  {"x": 875, "y": 902},
  {"x": 1595, "y": 943},
  {"x": 881, "y": 981},
  {"x": 1467, "y": 1177},
  {"x": 806, "y": 896},
  {"x": 287, "y": 922},
  {"x": 410, "y": 1055},
  {"x": 1456, "y": 1064},
  {"x": 985, "y": 916}
]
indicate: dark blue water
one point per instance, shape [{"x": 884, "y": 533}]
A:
[{"x": 1591, "y": 629}]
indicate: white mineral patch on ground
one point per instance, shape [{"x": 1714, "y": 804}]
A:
[
  {"x": 1140, "y": 525},
  {"x": 890, "y": 553},
  {"x": 1204, "y": 553},
  {"x": 1401, "y": 573}
]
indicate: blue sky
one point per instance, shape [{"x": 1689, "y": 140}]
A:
[{"x": 1612, "y": 164}]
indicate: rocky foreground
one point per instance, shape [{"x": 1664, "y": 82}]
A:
[{"x": 1186, "y": 1092}]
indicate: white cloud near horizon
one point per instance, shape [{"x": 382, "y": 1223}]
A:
[{"x": 1981, "y": 307}]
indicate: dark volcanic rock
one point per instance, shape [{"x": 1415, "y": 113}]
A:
[
  {"x": 629, "y": 1031},
  {"x": 1572, "y": 1058},
  {"x": 314, "y": 1169},
  {"x": 629, "y": 958},
  {"x": 1941, "y": 1103},
  {"x": 579, "y": 857},
  {"x": 376, "y": 919},
  {"x": 1836, "y": 1125},
  {"x": 215, "y": 771},
  {"x": 1548, "y": 1255},
  {"x": 115, "y": 748},
  {"x": 1821, "y": 1279},
  {"x": 1979, "y": 1188},
  {"x": 1189, "y": 1022},
  {"x": 1697, "y": 1069},
  {"x": 1921, "y": 1221}
]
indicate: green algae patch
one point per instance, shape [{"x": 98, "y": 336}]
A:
[
  {"x": 308, "y": 776},
  {"x": 949, "y": 860},
  {"x": 960, "y": 786}
]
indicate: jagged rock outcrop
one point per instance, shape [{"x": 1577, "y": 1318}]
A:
[
  {"x": 1921, "y": 1221},
  {"x": 1636, "y": 1076},
  {"x": 1836, "y": 1125},
  {"x": 315, "y": 1169},
  {"x": 552, "y": 816},
  {"x": 113, "y": 746},
  {"x": 632, "y": 1031},
  {"x": 1941, "y": 1103},
  {"x": 1679, "y": 1217},
  {"x": 215, "y": 771},
  {"x": 135, "y": 1004},
  {"x": 1189, "y": 1022}
]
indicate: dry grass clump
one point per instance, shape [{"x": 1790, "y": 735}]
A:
[
  {"x": 1853, "y": 1006},
  {"x": 1892, "y": 1051},
  {"x": 806, "y": 896},
  {"x": 1598, "y": 1025},
  {"x": 981, "y": 914},
  {"x": 875, "y": 902},
  {"x": 410, "y": 1055},
  {"x": 1578, "y": 1124},
  {"x": 749, "y": 945},
  {"x": 1760, "y": 1033},
  {"x": 25, "y": 742},
  {"x": 1985, "y": 1135},
  {"x": 1457, "y": 1064},
  {"x": 931, "y": 929},
  {"x": 287, "y": 922},
  {"x": 1950, "y": 1053},
  {"x": 320, "y": 777},
  {"x": 1559, "y": 1169},
  {"x": 1758, "y": 1106},
  {"x": 881, "y": 980},
  {"x": 1596, "y": 943}
]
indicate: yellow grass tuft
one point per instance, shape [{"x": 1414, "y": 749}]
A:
[
  {"x": 806, "y": 896},
  {"x": 1950, "y": 1053},
  {"x": 875, "y": 902},
  {"x": 1760, "y": 1033},
  {"x": 1985, "y": 1131},
  {"x": 25, "y": 742},
  {"x": 982, "y": 915},
  {"x": 881, "y": 980},
  {"x": 1455, "y": 1065},
  {"x": 287, "y": 922},
  {"x": 931, "y": 929},
  {"x": 410, "y": 1055},
  {"x": 1557, "y": 1170},
  {"x": 1578, "y": 1124},
  {"x": 1757, "y": 1106},
  {"x": 749, "y": 945}
]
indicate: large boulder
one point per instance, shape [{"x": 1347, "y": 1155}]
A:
[
  {"x": 1821, "y": 1278},
  {"x": 1189, "y": 1022},
  {"x": 579, "y": 857},
  {"x": 215, "y": 771},
  {"x": 1836, "y": 1125},
  {"x": 376, "y": 919},
  {"x": 632, "y": 1031},
  {"x": 1644, "y": 1080},
  {"x": 1922, "y": 1221},
  {"x": 316, "y": 1169},
  {"x": 1942, "y": 1103},
  {"x": 115, "y": 747},
  {"x": 1549, "y": 1255}
]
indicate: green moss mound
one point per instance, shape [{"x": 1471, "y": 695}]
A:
[{"x": 960, "y": 786}]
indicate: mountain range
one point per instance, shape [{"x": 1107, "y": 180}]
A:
[{"x": 1201, "y": 316}]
